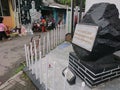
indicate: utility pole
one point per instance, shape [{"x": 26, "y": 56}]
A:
[
  {"x": 80, "y": 14},
  {"x": 72, "y": 21}
]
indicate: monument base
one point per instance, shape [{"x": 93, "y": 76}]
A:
[{"x": 95, "y": 72}]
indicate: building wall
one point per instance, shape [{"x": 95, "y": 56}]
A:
[
  {"x": 9, "y": 20},
  {"x": 89, "y": 3}
]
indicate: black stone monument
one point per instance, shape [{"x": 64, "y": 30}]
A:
[{"x": 99, "y": 64}]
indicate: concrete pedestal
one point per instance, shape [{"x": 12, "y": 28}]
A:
[{"x": 94, "y": 73}]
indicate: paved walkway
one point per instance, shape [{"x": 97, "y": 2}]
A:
[{"x": 18, "y": 82}]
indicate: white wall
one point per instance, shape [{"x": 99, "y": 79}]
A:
[{"x": 89, "y": 3}]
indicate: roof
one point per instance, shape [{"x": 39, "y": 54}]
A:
[{"x": 53, "y": 4}]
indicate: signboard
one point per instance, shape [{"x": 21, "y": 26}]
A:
[{"x": 84, "y": 36}]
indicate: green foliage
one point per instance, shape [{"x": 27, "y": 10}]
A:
[
  {"x": 24, "y": 77},
  {"x": 65, "y": 2},
  {"x": 20, "y": 68},
  {"x": 68, "y": 2}
]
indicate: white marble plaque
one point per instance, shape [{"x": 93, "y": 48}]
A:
[{"x": 85, "y": 35}]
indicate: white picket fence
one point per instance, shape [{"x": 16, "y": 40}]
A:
[{"x": 37, "y": 49}]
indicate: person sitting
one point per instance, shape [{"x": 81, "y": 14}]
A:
[{"x": 3, "y": 29}]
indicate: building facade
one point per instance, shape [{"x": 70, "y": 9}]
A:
[
  {"x": 17, "y": 12},
  {"x": 7, "y": 11}
]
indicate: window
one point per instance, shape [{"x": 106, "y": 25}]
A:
[{"x": 4, "y": 8}]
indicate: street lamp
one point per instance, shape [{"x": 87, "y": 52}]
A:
[
  {"x": 72, "y": 10},
  {"x": 80, "y": 14}
]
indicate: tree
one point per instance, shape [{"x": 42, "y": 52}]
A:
[{"x": 68, "y": 2}]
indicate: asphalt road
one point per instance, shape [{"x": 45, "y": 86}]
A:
[{"x": 11, "y": 55}]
